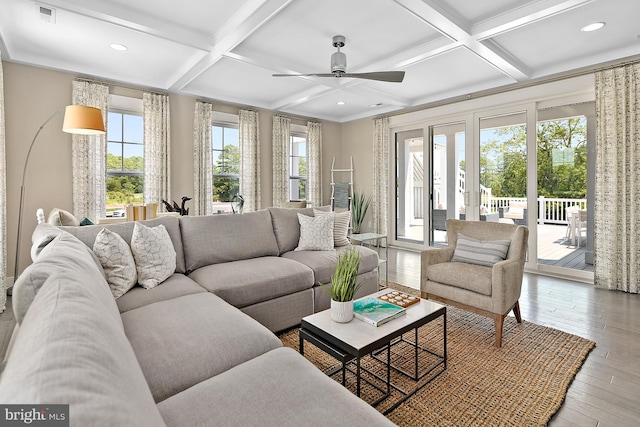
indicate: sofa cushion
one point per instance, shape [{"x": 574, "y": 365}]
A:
[
  {"x": 154, "y": 254},
  {"x": 286, "y": 226},
  {"x": 480, "y": 252},
  {"x": 117, "y": 262},
  {"x": 223, "y": 238},
  {"x": 64, "y": 253},
  {"x": 471, "y": 277},
  {"x": 71, "y": 349},
  {"x": 189, "y": 339},
  {"x": 287, "y": 379},
  {"x": 316, "y": 232},
  {"x": 175, "y": 286},
  {"x": 247, "y": 282},
  {"x": 323, "y": 263},
  {"x": 88, "y": 234}
]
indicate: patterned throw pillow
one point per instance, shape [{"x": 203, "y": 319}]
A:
[
  {"x": 480, "y": 252},
  {"x": 117, "y": 262},
  {"x": 154, "y": 254},
  {"x": 316, "y": 232},
  {"x": 340, "y": 226}
]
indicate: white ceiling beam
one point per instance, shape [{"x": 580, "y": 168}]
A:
[
  {"x": 253, "y": 15},
  {"x": 525, "y": 15},
  {"x": 446, "y": 21}
]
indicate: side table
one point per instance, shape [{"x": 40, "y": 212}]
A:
[{"x": 374, "y": 237}]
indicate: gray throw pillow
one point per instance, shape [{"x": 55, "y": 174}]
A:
[
  {"x": 340, "y": 226},
  {"x": 59, "y": 217},
  {"x": 480, "y": 252}
]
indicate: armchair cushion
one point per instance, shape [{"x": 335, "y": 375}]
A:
[
  {"x": 480, "y": 252},
  {"x": 475, "y": 278}
]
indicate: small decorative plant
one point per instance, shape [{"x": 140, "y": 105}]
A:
[
  {"x": 359, "y": 206},
  {"x": 343, "y": 284}
]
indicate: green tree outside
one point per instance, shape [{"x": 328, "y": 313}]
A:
[{"x": 228, "y": 163}]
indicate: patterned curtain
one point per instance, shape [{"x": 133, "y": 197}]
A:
[
  {"x": 202, "y": 159},
  {"x": 3, "y": 202},
  {"x": 89, "y": 155},
  {"x": 314, "y": 166},
  {"x": 616, "y": 215},
  {"x": 281, "y": 147},
  {"x": 157, "y": 147},
  {"x": 380, "y": 202},
  {"x": 249, "y": 141}
]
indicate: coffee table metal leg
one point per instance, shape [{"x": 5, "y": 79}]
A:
[
  {"x": 358, "y": 376},
  {"x": 301, "y": 345}
]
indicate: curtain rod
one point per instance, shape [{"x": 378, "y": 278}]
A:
[{"x": 522, "y": 85}]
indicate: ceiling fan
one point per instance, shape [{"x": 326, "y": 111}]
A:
[{"x": 339, "y": 68}]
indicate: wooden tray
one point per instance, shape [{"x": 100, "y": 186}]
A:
[{"x": 399, "y": 298}]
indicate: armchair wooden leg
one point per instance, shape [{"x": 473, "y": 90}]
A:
[
  {"x": 516, "y": 312},
  {"x": 498, "y": 321}
]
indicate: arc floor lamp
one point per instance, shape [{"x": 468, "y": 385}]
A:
[{"x": 79, "y": 119}]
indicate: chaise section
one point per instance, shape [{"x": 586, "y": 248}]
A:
[
  {"x": 246, "y": 282},
  {"x": 184, "y": 341},
  {"x": 290, "y": 392},
  {"x": 71, "y": 347},
  {"x": 175, "y": 286}
]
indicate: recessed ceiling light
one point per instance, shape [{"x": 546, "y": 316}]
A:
[
  {"x": 341, "y": 102},
  {"x": 592, "y": 27},
  {"x": 118, "y": 46}
]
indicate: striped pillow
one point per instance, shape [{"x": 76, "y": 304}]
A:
[{"x": 480, "y": 252}]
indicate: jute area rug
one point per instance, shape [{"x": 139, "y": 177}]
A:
[{"x": 521, "y": 384}]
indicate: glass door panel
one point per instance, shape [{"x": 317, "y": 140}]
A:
[
  {"x": 410, "y": 169},
  {"x": 503, "y": 169},
  {"x": 565, "y": 237},
  {"x": 447, "y": 146}
]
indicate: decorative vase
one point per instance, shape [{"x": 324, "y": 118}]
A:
[{"x": 341, "y": 312}]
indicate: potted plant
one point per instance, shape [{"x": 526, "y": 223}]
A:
[
  {"x": 344, "y": 285},
  {"x": 359, "y": 206}
]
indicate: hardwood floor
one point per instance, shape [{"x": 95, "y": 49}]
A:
[{"x": 606, "y": 391}]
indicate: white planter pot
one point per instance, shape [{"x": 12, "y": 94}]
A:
[{"x": 341, "y": 312}]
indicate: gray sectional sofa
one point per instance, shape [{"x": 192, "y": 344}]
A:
[{"x": 196, "y": 350}]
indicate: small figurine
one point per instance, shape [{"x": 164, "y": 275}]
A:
[{"x": 182, "y": 210}]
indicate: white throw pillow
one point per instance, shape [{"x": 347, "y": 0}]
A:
[
  {"x": 340, "y": 226},
  {"x": 480, "y": 252},
  {"x": 154, "y": 254},
  {"x": 316, "y": 232},
  {"x": 117, "y": 262}
]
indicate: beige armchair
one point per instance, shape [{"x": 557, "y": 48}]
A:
[{"x": 489, "y": 291}]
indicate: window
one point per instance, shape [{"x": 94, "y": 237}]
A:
[
  {"x": 298, "y": 167},
  {"x": 125, "y": 161},
  {"x": 226, "y": 165}
]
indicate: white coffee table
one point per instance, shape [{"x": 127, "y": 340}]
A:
[{"x": 349, "y": 342}]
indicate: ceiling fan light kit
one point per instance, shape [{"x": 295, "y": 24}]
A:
[{"x": 339, "y": 68}]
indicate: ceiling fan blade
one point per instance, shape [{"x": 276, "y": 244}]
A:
[
  {"x": 383, "y": 76},
  {"x": 304, "y": 75}
]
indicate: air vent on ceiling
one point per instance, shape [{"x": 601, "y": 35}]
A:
[{"x": 47, "y": 14}]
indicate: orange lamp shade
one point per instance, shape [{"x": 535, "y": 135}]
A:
[{"x": 83, "y": 120}]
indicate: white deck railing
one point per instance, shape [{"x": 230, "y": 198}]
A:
[{"x": 550, "y": 210}]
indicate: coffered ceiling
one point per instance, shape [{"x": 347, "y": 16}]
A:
[{"x": 228, "y": 50}]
